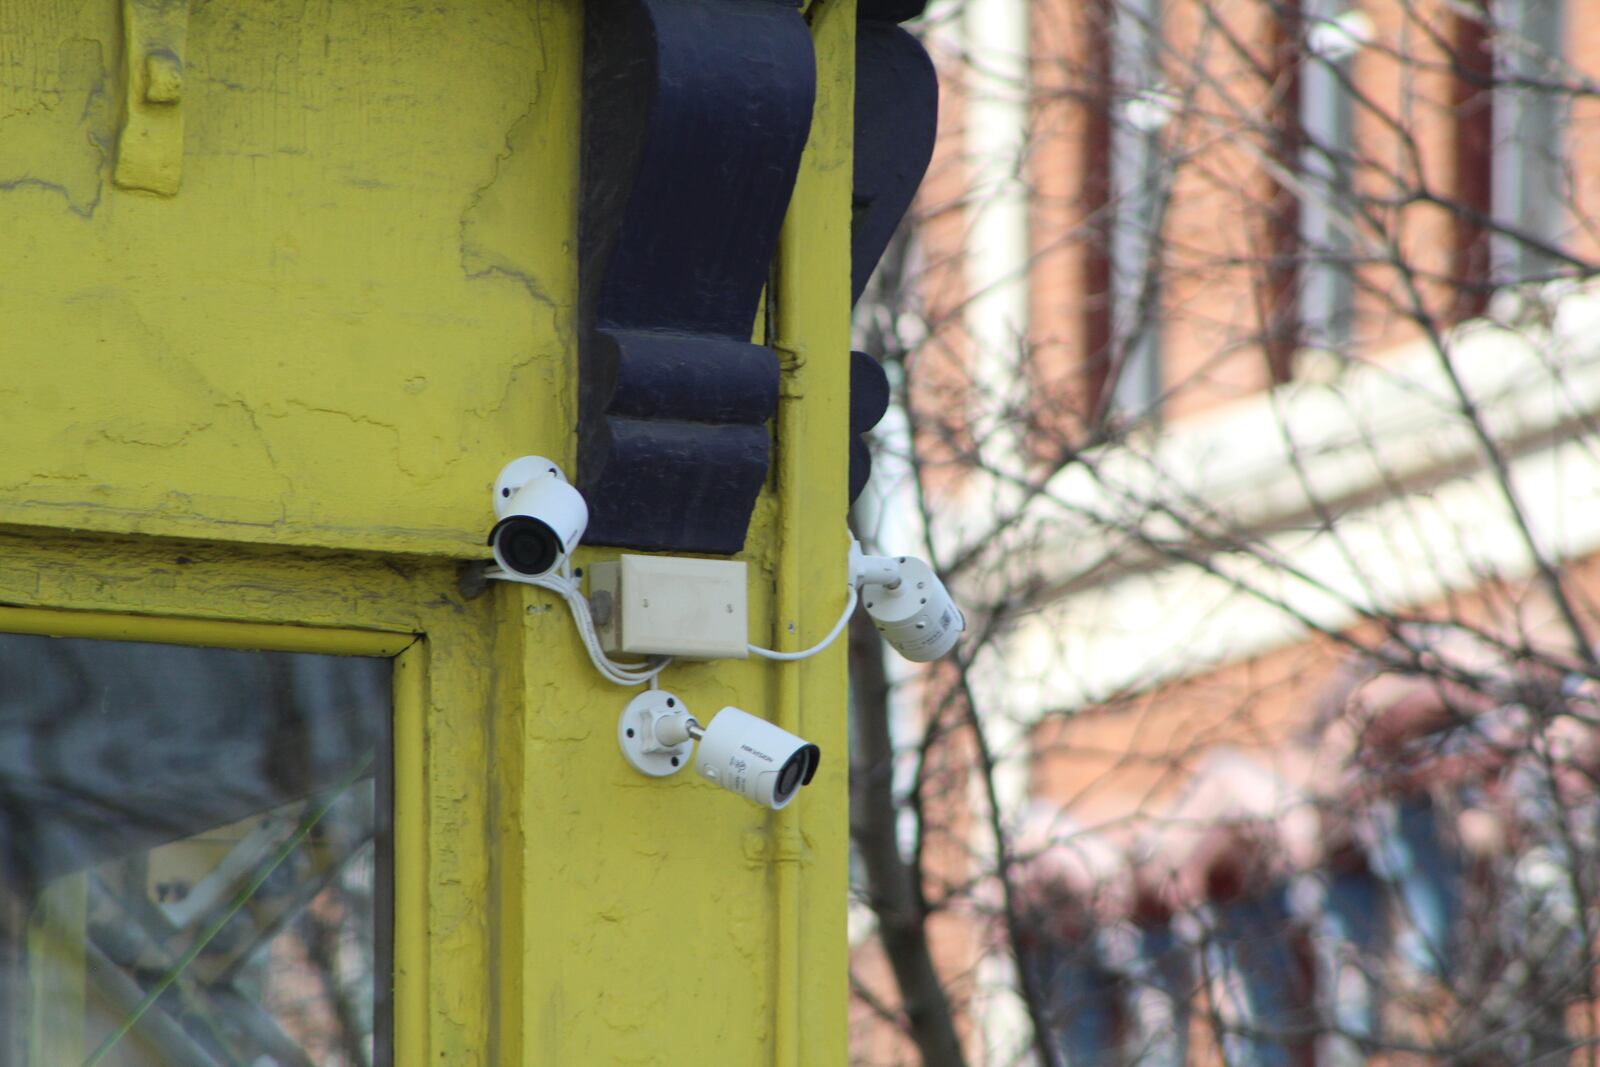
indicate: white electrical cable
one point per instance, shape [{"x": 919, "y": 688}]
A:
[
  {"x": 565, "y": 585},
  {"x": 838, "y": 628},
  {"x": 632, "y": 674}
]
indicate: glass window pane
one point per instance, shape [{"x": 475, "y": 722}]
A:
[{"x": 194, "y": 856}]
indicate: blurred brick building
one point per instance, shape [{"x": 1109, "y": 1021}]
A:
[{"x": 1283, "y": 304}]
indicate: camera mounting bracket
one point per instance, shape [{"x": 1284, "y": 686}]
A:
[{"x": 649, "y": 731}]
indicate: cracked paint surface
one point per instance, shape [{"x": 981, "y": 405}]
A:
[
  {"x": 56, "y": 123},
  {"x": 373, "y": 238}
]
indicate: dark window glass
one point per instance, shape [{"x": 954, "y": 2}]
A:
[{"x": 194, "y": 856}]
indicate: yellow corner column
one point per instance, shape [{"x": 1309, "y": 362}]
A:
[
  {"x": 812, "y": 330},
  {"x": 665, "y": 921}
]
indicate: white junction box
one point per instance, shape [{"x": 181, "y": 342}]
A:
[{"x": 671, "y": 606}]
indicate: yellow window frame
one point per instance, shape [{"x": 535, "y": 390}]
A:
[{"x": 57, "y": 908}]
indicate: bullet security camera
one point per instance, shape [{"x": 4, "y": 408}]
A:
[
  {"x": 740, "y": 752},
  {"x": 755, "y": 759},
  {"x": 540, "y": 517},
  {"x": 908, "y": 604}
]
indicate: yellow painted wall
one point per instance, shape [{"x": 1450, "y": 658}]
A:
[
  {"x": 279, "y": 396},
  {"x": 360, "y": 297}
]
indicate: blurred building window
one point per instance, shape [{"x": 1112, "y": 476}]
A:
[
  {"x": 1259, "y": 963},
  {"x": 1162, "y": 981},
  {"x": 1511, "y": 182},
  {"x": 1084, "y": 1002},
  {"x": 1334, "y": 37},
  {"x": 1427, "y": 875},
  {"x": 1126, "y": 179},
  {"x": 1351, "y": 944},
  {"x": 194, "y": 856},
  {"x": 1529, "y": 170}
]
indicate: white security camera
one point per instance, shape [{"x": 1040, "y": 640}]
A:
[
  {"x": 907, "y": 603},
  {"x": 541, "y": 518},
  {"x": 738, "y": 751},
  {"x": 754, "y": 758}
]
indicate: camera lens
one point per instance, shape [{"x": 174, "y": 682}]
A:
[
  {"x": 796, "y": 772},
  {"x": 528, "y": 546}
]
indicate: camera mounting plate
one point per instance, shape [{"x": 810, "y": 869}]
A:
[{"x": 636, "y": 733}]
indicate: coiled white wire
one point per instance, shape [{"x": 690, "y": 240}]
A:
[{"x": 567, "y": 586}]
